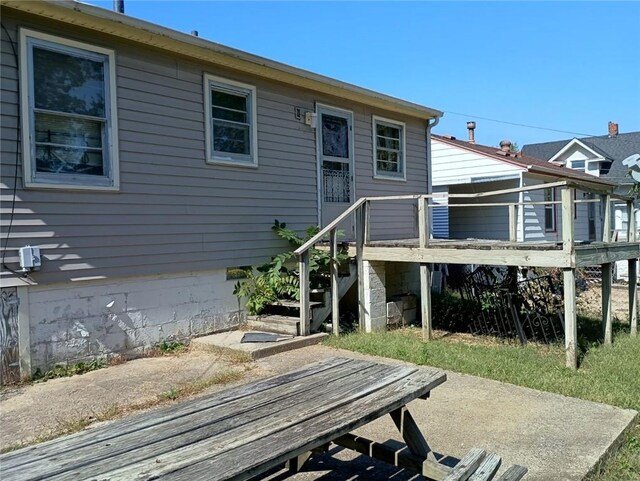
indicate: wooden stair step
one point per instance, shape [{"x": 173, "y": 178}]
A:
[
  {"x": 278, "y": 324},
  {"x": 295, "y": 304}
]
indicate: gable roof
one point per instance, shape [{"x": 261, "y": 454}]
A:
[
  {"x": 615, "y": 149},
  {"x": 531, "y": 164},
  {"x": 129, "y": 28}
]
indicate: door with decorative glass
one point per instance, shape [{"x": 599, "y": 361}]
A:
[{"x": 336, "y": 169}]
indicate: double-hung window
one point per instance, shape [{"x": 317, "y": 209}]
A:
[
  {"x": 69, "y": 114},
  {"x": 388, "y": 149},
  {"x": 550, "y": 210},
  {"x": 230, "y": 122}
]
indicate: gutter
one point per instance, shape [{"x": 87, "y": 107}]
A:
[{"x": 150, "y": 34}]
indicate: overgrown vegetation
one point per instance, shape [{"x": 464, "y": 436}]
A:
[
  {"x": 169, "y": 346},
  {"x": 279, "y": 278},
  {"x": 62, "y": 370}
]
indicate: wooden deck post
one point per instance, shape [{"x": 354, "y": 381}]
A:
[
  {"x": 305, "y": 311},
  {"x": 513, "y": 223},
  {"x": 568, "y": 228},
  {"x": 631, "y": 224},
  {"x": 605, "y": 208},
  {"x": 569, "y": 278},
  {"x": 607, "y": 318},
  {"x": 360, "y": 221},
  {"x": 633, "y": 296},
  {"x": 333, "y": 268},
  {"x": 425, "y": 301},
  {"x": 423, "y": 221},
  {"x": 425, "y": 270},
  {"x": 570, "y": 324}
]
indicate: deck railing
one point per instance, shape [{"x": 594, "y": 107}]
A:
[{"x": 361, "y": 209}]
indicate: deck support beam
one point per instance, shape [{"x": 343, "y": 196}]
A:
[
  {"x": 305, "y": 310},
  {"x": 633, "y": 296},
  {"x": 607, "y": 315},
  {"x": 333, "y": 271},
  {"x": 360, "y": 232},
  {"x": 570, "y": 324},
  {"x": 425, "y": 301}
]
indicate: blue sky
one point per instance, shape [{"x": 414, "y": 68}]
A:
[{"x": 570, "y": 66}]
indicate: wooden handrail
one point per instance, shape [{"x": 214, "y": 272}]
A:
[{"x": 332, "y": 225}]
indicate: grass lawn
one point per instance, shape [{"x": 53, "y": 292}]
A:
[{"x": 607, "y": 374}]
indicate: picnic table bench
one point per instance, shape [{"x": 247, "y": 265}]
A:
[{"x": 248, "y": 430}]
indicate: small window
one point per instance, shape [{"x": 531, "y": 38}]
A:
[
  {"x": 578, "y": 165},
  {"x": 550, "y": 210},
  {"x": 69, "y": 121},
  {"x": 231, "y": 122},
  {"x": 388, "y": 149}
]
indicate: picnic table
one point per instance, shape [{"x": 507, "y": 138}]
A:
[{"x": 248, "y": 430}]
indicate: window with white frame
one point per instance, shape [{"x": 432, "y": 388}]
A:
[
  {"x": 549, "y": 210},
  {"x": 69, "y": 114},
  {"x": 388, "y": 149},
  {"x": 231, "y": 122}
]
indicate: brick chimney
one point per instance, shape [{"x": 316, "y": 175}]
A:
[
  {"x": 471, "y": 126},
  {"x": 505, "y": 146},
  {"x": 613, "y": 129}
]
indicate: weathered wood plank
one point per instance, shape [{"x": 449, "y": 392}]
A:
[
  {"x": 469, "y": 255},
  {"x": 410, "y": 432},
  {"x": 155, "y": 418},
  {"x": 513, "y": 223},
  {"x": 423, "y": 222},
  {"x": 241, "y": 420},
  {"x": 607, "y": 310},
  {"x": 570, "y": 322},
  {"x": 633, "y": 295},
  {"x": 605, "y": 212},
  {"x": 598, "y": 254},
  {"x": 467, "y": 465},
  {"x": 360, "y": 264},
  {"x": 305, "y": 309},
  {"x": 316, "y": 405},
  {"x": 397, "y": 454},
  {"x": 568, "y": 227},
  {"x": 514, "y": 473},
  {"x": 266, "y": 453},
  {"x": 425, "y": 302},
  {"x": 335, "y": 299},
  {"x": 487, "y": 470}
]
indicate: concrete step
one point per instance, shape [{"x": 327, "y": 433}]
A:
[
  {"x": 231, "y": 343},
  {"x": 280, "y": 324}
]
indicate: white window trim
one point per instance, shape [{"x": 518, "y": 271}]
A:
[
  {"x": 111, "y": 146},
  {"x": 403, "y": 148},
  {"x": 219, "y": 160}
]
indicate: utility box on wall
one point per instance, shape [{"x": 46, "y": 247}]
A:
[{"x": 402, "y": 310}]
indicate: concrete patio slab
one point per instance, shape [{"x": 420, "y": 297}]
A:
[{"x": 231, "y": 342}]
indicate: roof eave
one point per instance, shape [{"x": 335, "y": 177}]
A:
[{"x": 132, "y": 29}]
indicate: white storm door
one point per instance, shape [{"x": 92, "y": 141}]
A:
[{"x": 335, "y": 164}]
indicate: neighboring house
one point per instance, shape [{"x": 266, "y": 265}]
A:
[
  {"x": 602, "y": 156},
  {"x": 149, "y": 164},
  {"x": 464, "y": 167}
]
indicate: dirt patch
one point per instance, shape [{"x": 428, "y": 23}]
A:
[{"x": 589, "y": 302}]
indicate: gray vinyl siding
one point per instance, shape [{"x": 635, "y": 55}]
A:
[
  {"x": 481, "y": 222},
  {"x": 173, "y": 212}
]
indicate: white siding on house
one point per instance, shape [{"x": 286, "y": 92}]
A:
[
  {"x": 454, "y": 165},
  {"x": 174, "y": 213},
  {"x": 534, "y": 216},
  {"x": 481, "y": 222}
]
